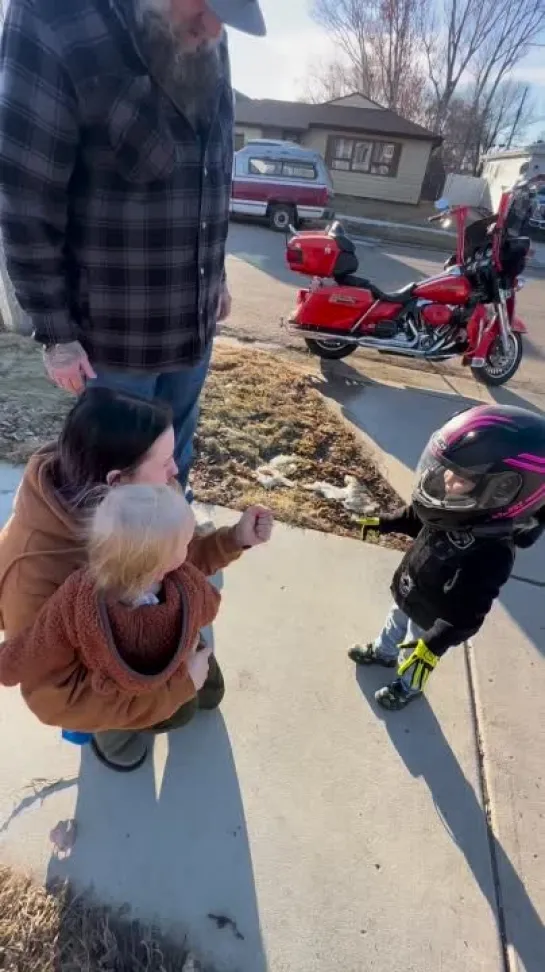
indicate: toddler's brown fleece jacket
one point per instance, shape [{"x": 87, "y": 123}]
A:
[{"x": 91, "y": 663}]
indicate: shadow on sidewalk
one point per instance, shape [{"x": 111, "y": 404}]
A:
[
  {"x": 418, "y": 738},
  {"x": 400, "y": 421},
  {"x": 175, "y": 850}
]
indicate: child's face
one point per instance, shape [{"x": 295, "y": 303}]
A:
[{"x": 456, "y": 485}]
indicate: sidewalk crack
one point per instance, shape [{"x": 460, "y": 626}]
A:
[{"x": 41, "y": 789}]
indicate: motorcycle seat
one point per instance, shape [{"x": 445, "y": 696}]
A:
[{"x": 402, "y": 296}]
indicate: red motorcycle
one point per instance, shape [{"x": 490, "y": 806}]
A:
[{"x": 468, "y": 310}]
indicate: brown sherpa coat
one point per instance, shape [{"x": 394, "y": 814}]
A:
[
  {"x": 40, "y": 547},
  {"x": 86, "y": 656}
]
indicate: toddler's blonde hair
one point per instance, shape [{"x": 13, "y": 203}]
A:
[{"x": 133, "y": 533}]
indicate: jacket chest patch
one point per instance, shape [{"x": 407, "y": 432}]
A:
[{"x": 461, "y": 540}]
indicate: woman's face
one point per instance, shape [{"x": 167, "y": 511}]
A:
[{"x": 157, "y": 467}]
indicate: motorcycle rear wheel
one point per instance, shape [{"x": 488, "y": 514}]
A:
[
  {"x": 498, "y": 367},
  {"x": 330, "y": 349}
]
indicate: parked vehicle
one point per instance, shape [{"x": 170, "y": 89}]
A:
[
  {"x": 281, "y": 182},
  {"x": 468, "y": 310},
  {"x": 537, "y": 209}
]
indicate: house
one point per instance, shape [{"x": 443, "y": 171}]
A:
[
  {"x": 371, "y": 151},
  {"x": 502, "y": 168}
]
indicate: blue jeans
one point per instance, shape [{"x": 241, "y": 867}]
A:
[
  {"x": 397, "y": 629},
  {"x": 180, "y": 389}
]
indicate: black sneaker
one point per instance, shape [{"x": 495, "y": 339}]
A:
[
  {"x": 369, "y": 656},
  {"x": 395, "y": 696}
]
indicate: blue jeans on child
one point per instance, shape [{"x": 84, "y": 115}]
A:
[
  {"x": 180, "y": 389},
  {"x": 398, "y": 628}
]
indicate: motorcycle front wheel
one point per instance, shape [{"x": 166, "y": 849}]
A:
[
  {"x": 500, "y": 367},
  {"x": 330, "y": 349}
]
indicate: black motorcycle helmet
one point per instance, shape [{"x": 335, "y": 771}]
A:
[{"x": 485, "y": 466}]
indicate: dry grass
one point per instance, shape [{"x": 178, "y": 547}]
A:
[
  {"x": 256, "y": 405},
  {"x": 31, "y": 408},
  {"x": 55, "y": 931}
]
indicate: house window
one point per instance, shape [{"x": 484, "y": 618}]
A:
[
  {"x": 240, "y": 141},
  {"x": 288, "y": 135},
  {"x": 363, "y": 155}
]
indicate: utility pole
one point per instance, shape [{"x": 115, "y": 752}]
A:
[{"x": 517, "y": 117}]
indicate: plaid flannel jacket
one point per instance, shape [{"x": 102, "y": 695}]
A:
[{"x": 114, "y": 214}]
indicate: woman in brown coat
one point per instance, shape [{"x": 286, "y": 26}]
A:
[
  {"x": 107, "y": 438},
  {"x": 127, "y": 626}
]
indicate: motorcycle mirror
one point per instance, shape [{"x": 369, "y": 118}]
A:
[{"x": 441, "y": 205}]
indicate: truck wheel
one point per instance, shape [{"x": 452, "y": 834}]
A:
[
  {"x": 330, "y": 349},
  {"x": 281, "y": 216},
  {"x": 499, "y": 367}
]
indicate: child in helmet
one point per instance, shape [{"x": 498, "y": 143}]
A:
[{"x": 479, "y": 494}]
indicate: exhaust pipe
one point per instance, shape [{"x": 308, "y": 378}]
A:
[{"x": 394, "y": 347}]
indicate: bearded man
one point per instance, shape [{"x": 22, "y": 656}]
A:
[{"x": 116, "y": 150}]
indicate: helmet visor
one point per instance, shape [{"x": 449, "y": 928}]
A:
[{"x": 444, "y": 485}]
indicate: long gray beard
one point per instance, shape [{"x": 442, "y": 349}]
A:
[{"x": 191, "y": 79}]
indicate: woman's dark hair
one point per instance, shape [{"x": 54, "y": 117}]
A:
[{"x": 105, "y": 430}]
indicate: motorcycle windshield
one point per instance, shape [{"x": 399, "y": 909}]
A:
[{"x": 477, "y": 235}]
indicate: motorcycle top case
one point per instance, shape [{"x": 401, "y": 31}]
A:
[{"x": 319, "y": 254}]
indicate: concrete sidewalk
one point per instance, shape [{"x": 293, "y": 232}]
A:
[{"x": 321, "y": 833}]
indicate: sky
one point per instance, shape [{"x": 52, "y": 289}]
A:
[{"x": 276, "y": 66}]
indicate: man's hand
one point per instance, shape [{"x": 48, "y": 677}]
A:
[
  {"x": 68, "y": 366},
  {"x": 224, "y": 304},
  {"x": 254, "y": 527}
]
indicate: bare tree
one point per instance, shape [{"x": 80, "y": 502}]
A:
[
  {"x": 469, "y": 136},
  {"x": 347, "y": 21},
  {"x": 483, "y": 38},
  {"x": 394, "y": 44},
  {"x": 325, "y": 82},
  {"x": 379, "y": 44},
  {"x": 504, "y": 119}
]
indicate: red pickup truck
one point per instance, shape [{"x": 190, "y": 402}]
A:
[{"x": 281, "y": 182}]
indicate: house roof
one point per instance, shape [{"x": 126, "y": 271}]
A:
[{"x": 300, "y": 117}]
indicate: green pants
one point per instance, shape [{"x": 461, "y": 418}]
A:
[{"x": 125, "y": 750}]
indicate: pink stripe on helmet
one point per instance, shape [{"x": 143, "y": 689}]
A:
[
  {"x": 519, "y": 508},
  {"x": 527, "y": 466},
  {"x": 531, "y": 458}
]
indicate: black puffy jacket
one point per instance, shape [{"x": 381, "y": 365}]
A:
[{"x": 447, "y": 582}]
